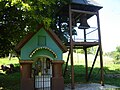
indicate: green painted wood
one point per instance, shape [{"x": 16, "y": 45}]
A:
[{"x": 33, "y": 43}]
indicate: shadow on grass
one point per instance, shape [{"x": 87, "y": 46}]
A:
[
  {"x": 10, "y": 81},
  {"x": 79, "y": 75}
]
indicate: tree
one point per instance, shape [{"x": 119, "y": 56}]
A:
[
  {"x": 117, "y": 53},
  {"x": 18, "y": 17},
  {"x": 114, "y": 54},
  {"x": 12, "y": 26}
]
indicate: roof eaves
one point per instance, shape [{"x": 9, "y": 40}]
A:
[
  {"x": 27, "y": 38},
  {"x": 24, "y": 41}
]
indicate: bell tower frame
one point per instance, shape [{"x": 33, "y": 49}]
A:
[{"x": 74, "y": 12}]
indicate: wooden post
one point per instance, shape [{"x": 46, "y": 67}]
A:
[
  {"x": 85, "y": 50},
  {"x": 100, "y": 45},
  {"x": 71, "y": 47},
  {"x": 66, "y": 63},
  {"x": 86, "y": 64}
]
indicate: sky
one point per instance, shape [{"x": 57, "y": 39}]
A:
[{"x": 110, "y": 24}]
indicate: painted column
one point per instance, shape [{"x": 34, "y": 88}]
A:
[
  {"x": 27, "y": 83},
  {"x": 57, "y": 80}
]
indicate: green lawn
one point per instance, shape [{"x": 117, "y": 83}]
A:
[
  {"x": 6, "y": 61},
  {"x": 79, "y": 69},
  {"x": 12, "y": 81}
]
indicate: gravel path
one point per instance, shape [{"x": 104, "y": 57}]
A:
[{"x": 91, "y": 86}]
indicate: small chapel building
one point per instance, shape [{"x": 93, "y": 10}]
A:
[{"x": 41, "y": 60}]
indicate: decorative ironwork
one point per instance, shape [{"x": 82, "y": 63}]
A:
[{"x": 42, "y": 74}]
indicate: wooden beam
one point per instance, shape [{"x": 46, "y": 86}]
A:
[
  {"x": 71, "y": 48},
  {"x": 81, "y": 11},
  {"x": 66, "y": 63},
  {"x": 100, "y": 45},
  {"x": 85, "y": 50},
  {"x": 86, "y": 64},
  {"x": 81, "y": 45},
  {"x": 86, "y": 43},
  {"x": 93, "y": 64}
]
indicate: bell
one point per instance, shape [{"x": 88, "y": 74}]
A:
[{"x": 83, "y": 23}]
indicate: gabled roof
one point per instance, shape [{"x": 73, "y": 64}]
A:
[{"x": 50, "y": 32}]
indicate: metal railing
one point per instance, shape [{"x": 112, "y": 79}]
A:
[{"x": 91, "y": 35}]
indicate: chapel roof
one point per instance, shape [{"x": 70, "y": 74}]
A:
[{"x": 50, "y": 32}]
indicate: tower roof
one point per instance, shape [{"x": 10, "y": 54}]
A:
[
  {"x": 79, "y": 5},
  {"x": 86, "y": 2},
  {"x": 86, "y": 5}
]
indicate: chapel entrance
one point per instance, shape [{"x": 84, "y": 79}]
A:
[{"x": 42, "y": 73}]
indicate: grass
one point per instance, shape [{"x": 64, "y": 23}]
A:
[
  {"x": 12, "y": 81},
  {"x": 79, "y": 70},
  {"x": 6, "y": 61}
]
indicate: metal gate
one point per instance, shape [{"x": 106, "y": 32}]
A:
[{"x": 42, "y": 74}]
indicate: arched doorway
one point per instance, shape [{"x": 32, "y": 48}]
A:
[{"x": 42, "y": 73}]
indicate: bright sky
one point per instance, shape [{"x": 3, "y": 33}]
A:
[{"x": 110, "y": 24}]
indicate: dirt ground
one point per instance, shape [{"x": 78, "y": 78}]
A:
[{"x": 91, "y": 86}]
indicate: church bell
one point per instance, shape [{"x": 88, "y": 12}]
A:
[{"x": 83, "y": 23}]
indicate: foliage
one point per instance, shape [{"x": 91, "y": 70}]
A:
[
  {"x": 115, "y": 54},
  {"x": 18, "y": 17},
  {"x": 10, "y": 81},
  {"x": 63, "y": 32}
]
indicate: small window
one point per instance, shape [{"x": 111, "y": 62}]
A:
[{"x": 41, "y": 40}]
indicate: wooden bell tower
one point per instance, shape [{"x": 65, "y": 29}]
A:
[{"x": 79, "y": 11}]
